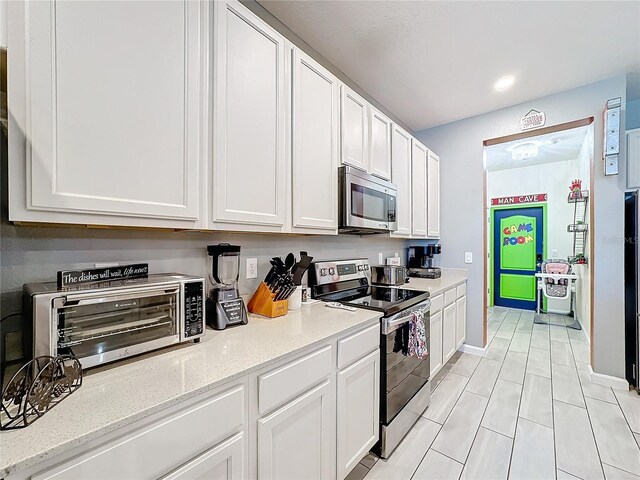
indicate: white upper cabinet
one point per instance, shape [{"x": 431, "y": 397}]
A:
[
  {"x": 106, "y": 109},
  {"x": 379, "y": 144},
  {"x": 355, "y": 126},
  {"x": 419, "y": 188},
  {"x": 316, "y": 139},
  {"x": 401, "y": 176},
  {"x": 249, "y": 160},
  {"x": 433, "y": 195}
]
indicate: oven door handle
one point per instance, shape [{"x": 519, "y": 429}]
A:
[
  {"x": 93, "y": 298},
  {"x": 393, "y": 323}
]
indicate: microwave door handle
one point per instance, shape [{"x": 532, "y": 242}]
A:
[{"x": 93, "y": 299}]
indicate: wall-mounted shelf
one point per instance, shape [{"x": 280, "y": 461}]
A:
[
  {"x": 579, "y": 227},
  {"x": 583, "y": 197}
]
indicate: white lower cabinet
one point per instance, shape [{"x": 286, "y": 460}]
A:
[
  {"x": 358, "y": 403},
  {"x": 461, "y": 320},
  {"x": 449, "y": 331},
  {"x": 296, "y": 441},
  {"x": 435, "y": 343}
]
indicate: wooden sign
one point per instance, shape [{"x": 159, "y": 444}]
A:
[
  {"x": 515, "y": 200},
  {"x": 533, "y": 119},
  {"x": 67, "y": 278}
]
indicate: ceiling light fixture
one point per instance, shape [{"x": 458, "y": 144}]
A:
[
  {"x": 524, "y": 151},
  {"x": 504, "y": 83}
]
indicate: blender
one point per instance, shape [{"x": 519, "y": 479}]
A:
[{"x": 224, "y": 305}]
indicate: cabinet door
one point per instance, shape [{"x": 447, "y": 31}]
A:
[
  {"x": 433, "y": 195},
  {"x": 379, "y": 144},
  {"x": 112, "y": 112},
  {"x": 248, "y": 177},
  {"x": 354, "y": 127},
  {"x": 449, "y": 332},
  {"x": 315, "y": 145},
  {"x": 419, "y": 188},
  {"x": 358, "y": 411},
  {"x": 401, "y": 176},
  {"x": 435, "y": 342},
  {"x": 222, "y": 462},
  {"x": 461, "y": 320},
  {"x": 298, "y": 440}
]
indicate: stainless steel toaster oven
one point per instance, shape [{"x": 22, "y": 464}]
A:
[{"x": 103, "y": 322}]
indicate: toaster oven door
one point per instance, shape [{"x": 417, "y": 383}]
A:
[{"x": 99, "y": 329}]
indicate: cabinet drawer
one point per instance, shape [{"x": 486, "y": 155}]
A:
[
  {"x": 358, "y": 345},
  {"x": 449, "y": 297},
  {"x": 284, "y": 383},
  {"x": 161, "y": 446},
  {"x": 461, "y": 290},
  {"x": 437, "y": 303}
]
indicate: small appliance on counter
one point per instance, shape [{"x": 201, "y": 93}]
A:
[
  {"x": 106, "y": 321},
  {"x": 420, "y": 261},
  {"x": 225, "y": 307},
  {"x": 388, "y": 275}
]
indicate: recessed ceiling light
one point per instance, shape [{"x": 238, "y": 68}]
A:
[{"x": 504, "y": 83}]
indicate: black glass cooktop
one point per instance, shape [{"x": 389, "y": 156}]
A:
[{"x": 383, "y": 299}]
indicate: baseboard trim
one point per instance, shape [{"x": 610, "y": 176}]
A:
[
  {"x": 465, "y": 348},
  {"x": 608, "y": 380}
]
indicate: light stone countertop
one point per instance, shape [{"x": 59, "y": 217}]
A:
[
  {"x": 117, "y": 395},
  {"x": 451, "y": 277}
]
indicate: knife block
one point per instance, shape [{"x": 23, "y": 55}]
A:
[{"x": 262, "y": 303}]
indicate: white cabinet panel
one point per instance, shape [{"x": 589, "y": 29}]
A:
[
  {"x": 379, "y": 144},
  {"x": 316, "y": 136},
  {"x": 222, "y": 462},
  {"x": 461, "y": 320},
  {"x": 633, "y": 158},
  {"x": 435, "y": 343},
  {"x": 298, "y": 440},
  {"x": 448, "y": 332},
  {"x": 401, "y": 176},
  {"x": 110, "y": 110},
  {"x": 419, "y": 188},
  {"x": 354, "y": 127},
  {"x": 249, "y": 161},
  {"x": 433, "y": 195},
  {"x": 358, "y": 404}
]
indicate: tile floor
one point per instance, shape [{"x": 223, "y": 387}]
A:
[{"x": 527, "y": 410}]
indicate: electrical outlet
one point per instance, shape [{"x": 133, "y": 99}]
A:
[
  {"x": 396, "y": 255},
  {"x": 252, "y": 268},
  {"x": 468, "y": 257},
  {"x": 380, "y": 259}
]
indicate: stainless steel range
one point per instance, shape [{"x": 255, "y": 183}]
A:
[{"x": 404, "y": 387}]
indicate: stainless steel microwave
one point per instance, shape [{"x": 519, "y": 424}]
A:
[
  {"x": 367, "y": 203},
  {"x": 103, "y": 322}
]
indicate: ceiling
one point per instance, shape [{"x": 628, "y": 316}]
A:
[
  {"x": 552, "y": 147},
  {"x": 434, "y": 62}
]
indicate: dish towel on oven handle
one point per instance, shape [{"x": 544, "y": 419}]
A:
[{"x": 417, "y": 336}]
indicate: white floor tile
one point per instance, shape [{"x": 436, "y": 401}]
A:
[
  {"x": 489, "y": 456},
  {"x": 576, "y": 451},
  {"x": 445, "y": 397},
  {"x": 540, "y": 337},
  {"x": 559, "y": 334},
  {"x": 561, "y": 353},
  {"x": 613, "y": 473},
  {"x": 406, "y": 458},
  {"x": 630, "y": 404},
  {"x": 520, "y": 342},
  {"x": 536, "y": 404},
  {"x": 497, "y": 349},
  {"x": 513, "y": 367},
  {"x": 580, "y": 351},
  {"x": 539, "y": 362},
  {"x": 436, "y": 466},
  {"x": 466, "y": 364},
  {"x": 506, "y": 331},
  {"x": 615, "y": 441},
  {"x": 502, "y": 411},
  {"x": 533, "y": 452},
  {"x": 458, "y": 432},
  {"x": 484, "y": 377},
  {"x": 565, "y": 476},
  {"x": 566, "y": 386}
]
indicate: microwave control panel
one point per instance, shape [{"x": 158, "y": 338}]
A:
[{"x": 193, "y": 309}]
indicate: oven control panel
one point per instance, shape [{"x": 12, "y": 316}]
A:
[
  {"x": 193, "y": 309},
  {"x": 323, "y": 273}
]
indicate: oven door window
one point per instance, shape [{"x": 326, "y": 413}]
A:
[
  {"x": 97, "y": 327},
  {"x": 369, "y": 204}
]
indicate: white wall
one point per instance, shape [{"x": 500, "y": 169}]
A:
[{"x": 460, "y": 147}]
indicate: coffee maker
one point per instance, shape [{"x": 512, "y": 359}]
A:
[
  {"x": 420, "y": 261},
  {"x": 224, "y": 305}
]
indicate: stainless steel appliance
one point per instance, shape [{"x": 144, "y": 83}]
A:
[
  {"x": 225, "y": 306},
  {"x": 107, "y": 321},
  {"x": 404, "y": 384},
  {"x": 388, "y": 275},
  {"x": 420, "y": 261},
  {"x": 632, "y": 288},
  {"x": 367, "y": 203}
]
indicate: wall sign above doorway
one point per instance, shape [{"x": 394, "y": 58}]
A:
[
  {"x": 517, "y": 199},
  {"x": 533, "y": 119}
]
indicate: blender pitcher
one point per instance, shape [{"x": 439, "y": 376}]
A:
[{"x": 224, "y": 305}]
